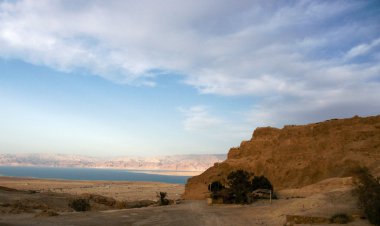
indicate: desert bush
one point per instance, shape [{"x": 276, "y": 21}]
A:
[
  {"x": 340, "y": 218},
  {"x": 108, "y": 201},
  {"x": 215, "y": 188},
  {"x": 261, "y": 182},
  {"x": 239, "y": 186},
  {"x": 162, "y": 198},
  {"x": 120, "y": 204},
  {"x": 368, "y": 192},
  {"x": 79, "y": 204},
  {"x": 134, "y": 204}
]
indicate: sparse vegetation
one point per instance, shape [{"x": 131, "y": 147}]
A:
[
  {"x": 141, "y": 203},
  {"x": 108, "y": 201},
  {"x": 163, "y": 201},
  {"x": 261, "y": 182},
  {"x": 80, "y": 204},
  {"x": 368, "y": 192},
  {"x": 240, "y": 185},
  {"x": 120, "y": 204},
  {"x": 133, "y": 204},
  {"x": 215, "y": 188},
  {"x": 340, "y": 218}
]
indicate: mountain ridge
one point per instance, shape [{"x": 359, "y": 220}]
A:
[
  {"x": 190, "y": 162},
  {"x": 296, "y": 156}
]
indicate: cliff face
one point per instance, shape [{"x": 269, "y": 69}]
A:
[{"x": 296, "y": 156}]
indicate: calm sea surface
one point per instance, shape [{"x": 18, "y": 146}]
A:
[{"x": 87, "y": 174}]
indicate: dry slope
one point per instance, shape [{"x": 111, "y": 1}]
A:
[{"x": 296, "y": 156}]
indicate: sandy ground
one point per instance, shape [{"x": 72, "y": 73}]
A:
[
  {"x": 120, "y": 190},
  {"x": 186, "y": 214},
  {"x": 323, "y": 199}
]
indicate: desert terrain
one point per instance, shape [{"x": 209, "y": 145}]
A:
[
  {"x": 310, "y": 167},
  {"x": 119, "y": 190},
  {"x": 48, "y": 204}
]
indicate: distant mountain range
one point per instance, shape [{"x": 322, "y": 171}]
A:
[{"x": 170, "y": 162}]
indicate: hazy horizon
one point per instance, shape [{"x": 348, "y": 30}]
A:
[
  {"x": 146, "y": 78},
  {"x": 109, "y": 156}
]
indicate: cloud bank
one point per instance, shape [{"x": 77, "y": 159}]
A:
[{"x": 304, "y": 60}]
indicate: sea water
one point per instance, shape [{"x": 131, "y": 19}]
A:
[{"x": 88, "y": 174}]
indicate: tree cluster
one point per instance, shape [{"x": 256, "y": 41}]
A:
[{"x": 240, "y": 184}]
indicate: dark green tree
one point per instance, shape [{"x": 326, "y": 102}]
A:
[
  {"x": 239, "y": 186},
  {"x": 215, "y": 188},
  {"x": 261, "y": 182}
]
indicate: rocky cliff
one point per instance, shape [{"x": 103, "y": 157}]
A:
[{"x": 295, "y": 156}]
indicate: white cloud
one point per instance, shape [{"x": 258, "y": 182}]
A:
[
  {"x": 198, "y": 118},
  {"x": 203, "y": 124},
  {"x": 312, "y": 107},
  {"x": 362, "y": 49},
  {"x": 298, "y": 58}
]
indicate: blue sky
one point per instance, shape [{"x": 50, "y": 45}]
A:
[{"x": 169, "y": 77}]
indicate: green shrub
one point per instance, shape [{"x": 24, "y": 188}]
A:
[
  {"x": 215, "y": 188},
  {"x": 163, "y": 201},
  {"x": 368, "y": 192},
  {"x": 239, "y": 186},
  {"x": 261, "y": 182},
  {"x": 80, "y": 204},
  {"x": 340, "y": 218}
]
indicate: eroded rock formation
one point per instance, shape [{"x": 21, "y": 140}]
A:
[{"x": 296, "y": 156}]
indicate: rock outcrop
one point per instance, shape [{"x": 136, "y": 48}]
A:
[{"x": 296, "y": 156}]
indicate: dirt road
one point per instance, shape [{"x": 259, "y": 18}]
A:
[{"x": 188, "y": 213}]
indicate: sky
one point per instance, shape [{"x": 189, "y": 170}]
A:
[{"x": 113, "y": 78}]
